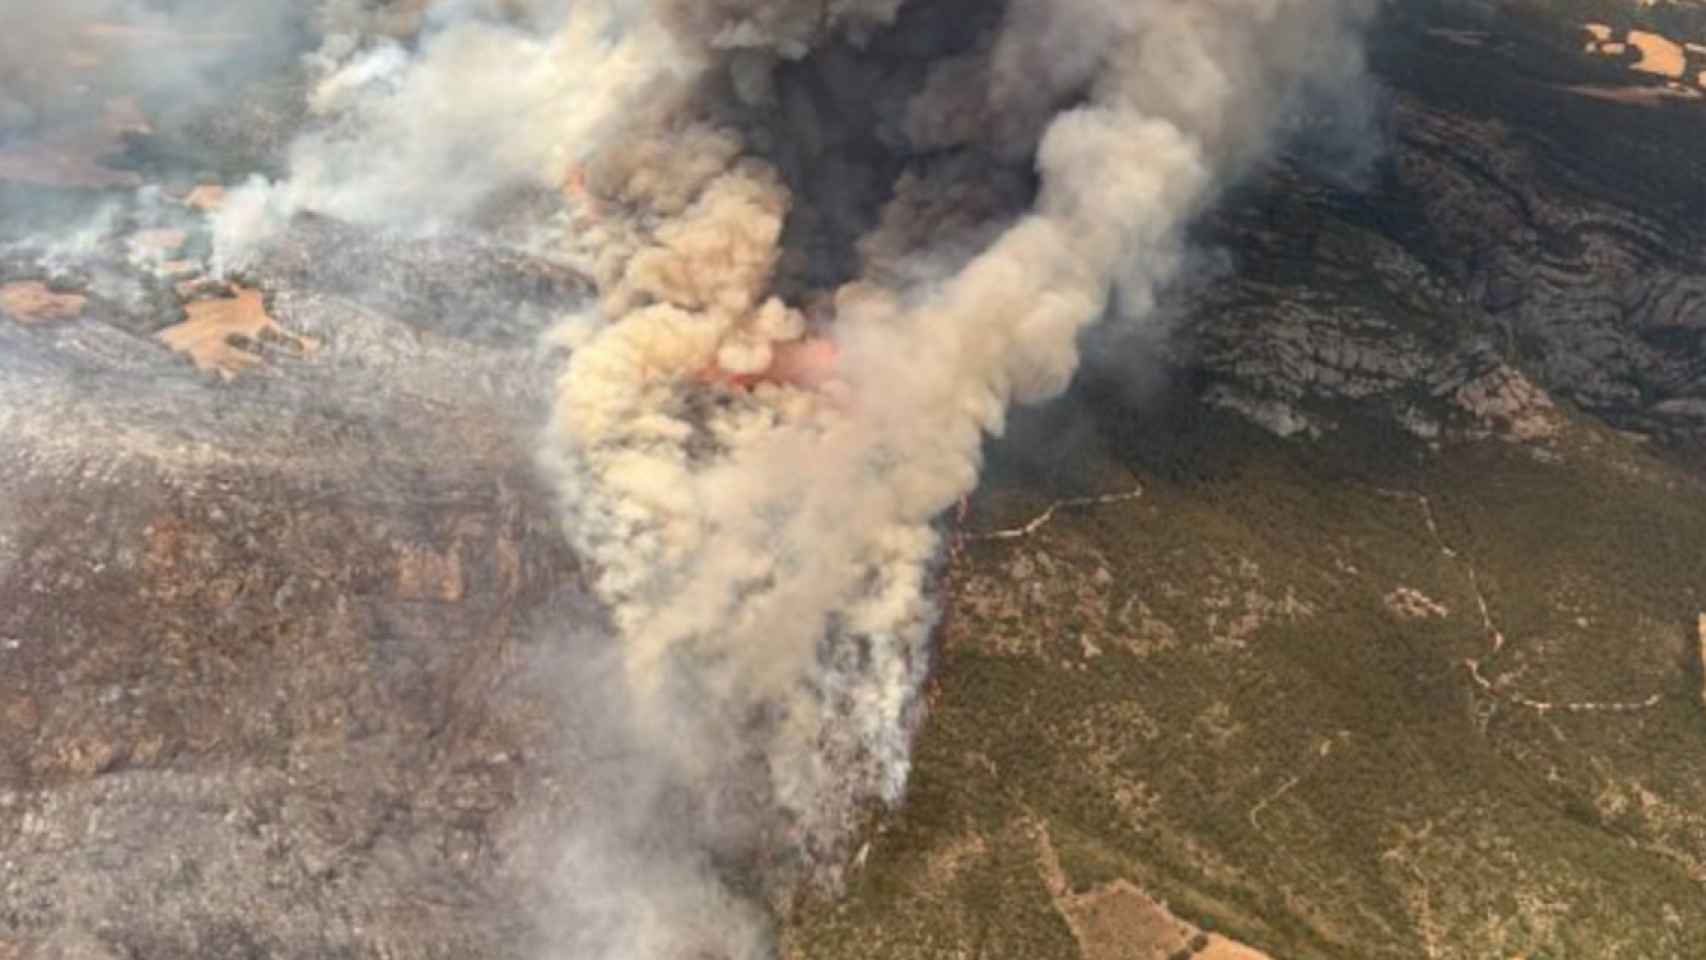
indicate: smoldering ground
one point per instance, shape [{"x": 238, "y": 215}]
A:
[{"x": 833, "y": 243}]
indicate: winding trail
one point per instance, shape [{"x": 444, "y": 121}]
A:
[
  {"x": 1042, "y": 519},
  {"x": 1496, "y": 637}
]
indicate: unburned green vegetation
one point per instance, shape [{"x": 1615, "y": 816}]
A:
[{"x": 1247, "y": 693}]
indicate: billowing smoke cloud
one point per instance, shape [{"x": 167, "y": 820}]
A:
[
  {"x": 425, "y": 112},
  {"x": 834, "y": 242}
]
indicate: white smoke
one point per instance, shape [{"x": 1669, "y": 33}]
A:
[
  {"x": 774, "y": 548},
  {"x": 766, "y": 552},
  {"x": 414, "y": 138}
]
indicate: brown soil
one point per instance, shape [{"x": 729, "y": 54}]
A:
[
  {"x": 1659, "y": 55},
  {"x": 206, "y": 197},
  {"x": 31, "y": 302},
  {"x": 218, "y": 332}
]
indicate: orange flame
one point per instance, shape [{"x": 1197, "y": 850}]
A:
[
  {"x": 576, "y": 189},
  {"x": 803, "y": 363}
]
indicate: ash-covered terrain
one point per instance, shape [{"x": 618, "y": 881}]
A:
[{"x": 916, "y": 478}]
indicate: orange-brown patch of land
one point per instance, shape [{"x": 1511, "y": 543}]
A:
[
  {"x": 1220, "y": 948},
  {"x": 207, "y": 198},
  {"x": 218, "y": 333},
  {"x": 32, "y": 302},
  {"x": 1660, "y": 55},
  {"x": 1118, "y": 921}
]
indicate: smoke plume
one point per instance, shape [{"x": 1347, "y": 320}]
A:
[
  {"x": 60, "y": 62},
  {"x": 834, "y": 242}
]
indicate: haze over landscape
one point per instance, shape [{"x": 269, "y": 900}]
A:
[{"x": 635, "y": 479}]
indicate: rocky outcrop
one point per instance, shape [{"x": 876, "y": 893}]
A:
[{"x": 1512, "y": 219}]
